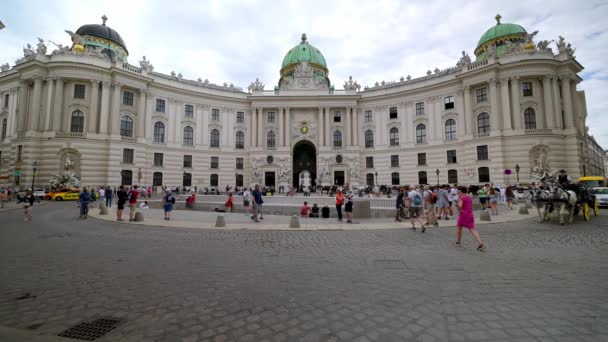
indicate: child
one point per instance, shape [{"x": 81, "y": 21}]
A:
[{"x": 348, "y": 208}]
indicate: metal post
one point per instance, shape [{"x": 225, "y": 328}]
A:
[
  {"x": 437, "y": 172},
  {"x": 34, "y": 175},
  {"x": 517, "y": 171}
]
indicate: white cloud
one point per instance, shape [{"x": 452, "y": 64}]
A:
[{"x": 236, "y": 41}]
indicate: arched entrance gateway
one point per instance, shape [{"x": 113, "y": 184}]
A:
[{"x": 304, "y": 164}]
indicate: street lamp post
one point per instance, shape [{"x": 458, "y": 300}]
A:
[
  {"x": 437, "y": 172},
  {"x": 34, "y": 174},
  {"x": 517, "y": 172},
  {"x": 376, "y": 178}
]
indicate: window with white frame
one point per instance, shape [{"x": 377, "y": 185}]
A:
[
  {"x": 368, "y": 116},
  {"x": 214, "y": 138},
  {"x": 450, "y": 129},
  {"x": 530, "y": 118},
  {"x": 240, "y": 117},
  {"x": 483, "y": 123},
  {"x": 188, "y": 138},
  {"x": 239, "y": 140},
  {"x": 482, "y": 95},
  {"x": 448, "y": 102},
  {"x": 189, "y": 111},
  {"x": 79, "y": 91},
  {"x": 188, "y": 160},
  {"x": 392, "y": 113},
  {"x": 451, "y": 154},
  {"x": 77, "y": 122},
  {"x": 419, "y": 108},
  {"x": 127, "y": 98},
  {"x": 393, "y": 136},
  {"x": 159, "y": 132},
  {"x": 421, "y": 134},
  {"x": 158, "y": 159},
  {"x": 527, "y": 88},
  {"x": 126, "y": 126},
  {"x": 215, "y": 114},
  {"x": 215, "y": 162},
  {"x": 369, "y": 162},
  {"x": 395, "y": 160}
]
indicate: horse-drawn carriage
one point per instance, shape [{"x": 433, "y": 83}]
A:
[
  {"x": 571, "y": 199},
  {"x": 585, "y": 200}
]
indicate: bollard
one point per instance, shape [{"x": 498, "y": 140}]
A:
[
  {"x": 103, "y": 211},
  {"x": 139, "y": 216},
  {"x": 523, "y": 209},
  {"x": 220, "y": 222},
  {"x": 101, "y": 205},
  {"x": 295, "y": 222},
  {"x": 485, "y": 216}
]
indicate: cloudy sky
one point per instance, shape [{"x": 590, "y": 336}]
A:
[{"x": 237, "y": 41}]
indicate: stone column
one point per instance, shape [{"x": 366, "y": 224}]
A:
[
  {"x": 261, "y": 127},
  {"x": 494, "y": 123},
  {"x": 105, "y": 108},
  {"x": 460, "y": 120},
  {"x": 506, "y": 106},
  {"x": 115, "y": 111},
  {"x": 576, "y": 108},
  {"x": 288, "y": 126},
  {"x": 12, "y": 112},
  {"x": 438, "y": 129},
  {"x": 48, "y": 108},
  {"x": 198, "y": 116},
  {"x": 93, "y": 104},
  {"x": 225, "y": 119},
  {"x": 175, "y": 123},
  {"x": 567, "y": 96},
  {"x": 205, "y": 130},
  {"x": 281, "y": 130},
  {"x": 557, "y": 105},
  {"x": 320, "y": 126},
  {"x": 141, "y": 114},
  {"x": 515, "y": 102},
  {"x": 149, "y": 127},
  {"x": 548, "y": 102},
  {"x": 467, "y": 114},
  {"x": 254, "y": 125},
  {"x": 58, "y": 105},
  {"x": 34, "y": 112},
  {"x": 326, "y": 127},
  {"x": 347, "y": 131},
  {"x": 356, "y": 118}
]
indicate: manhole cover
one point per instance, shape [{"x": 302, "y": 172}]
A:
[
  {"x": 390, "y": 264},
  {"x": 90, "y": 331}
]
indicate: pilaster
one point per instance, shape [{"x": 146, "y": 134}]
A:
[
  {"x": 506, "y": 106},
  {"x": 548, "y": 101},
  {"x": 94, "y": 103},
  {"x": 515, "y": 107}
]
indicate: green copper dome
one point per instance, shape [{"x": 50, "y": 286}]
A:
[
  {"x": 304, "y": 52},
  {"x": 498, "y": 33}
]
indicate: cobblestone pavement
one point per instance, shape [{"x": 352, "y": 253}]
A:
[{"x": 535, "y": 282}]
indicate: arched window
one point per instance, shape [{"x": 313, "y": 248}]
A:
[
  {"x": 159, "y": 133},
  {"x": 239, "y": 180},
  {"x": 422, "y": 177},
  {"x": 157, "y": 179},
  {"x": 393, "y": 135},
  {"x": 77, "y": 122},
  {"x": 369, "y": 179},
  {"x": 188, "y": 136},
  {"x": 453, "y": 176},
  {"x": 450, "y": 129},
  {"x": 126, "y": 177},
  {"x": 483, "y": 123},
  {"x": 421, "y": 135},
  {"x": 214, "y": 140},
  {"x": 484, "y": 174},
  {"x": 530, "y": 118},
  {"x": 271, "y": 140},
  {"x": 395, "y": 178},
  {"x": 239, "y": 140},
  {"x": 337, "y": 139},
  {"x": 4, "y": 124},
  {"x": 126, "y": 126},
  {"x": 214, "y": 180},
  {"x": 187, "y": 179},
  {"x": 369, "y": 138}
]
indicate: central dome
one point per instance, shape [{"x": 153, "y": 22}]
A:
[
  {"x": 303, "y": 52},
  {"x": 498, "y": 34}
]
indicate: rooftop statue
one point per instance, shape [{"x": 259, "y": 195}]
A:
[
  {"x": 350, "y": 85},
  {"x": 76, "y": 38},
  {"x": 464, "y": 60},
  {"x": 28, "y": 51},
  {"x": 529, "y": 45},
  {"x": 5, "y": 67},
  {"x": 145, "y": 64},
  {"x": 40, "y": 47},
  {"x": 543, "y": 45},
  {"x": 256, "y": 86}
]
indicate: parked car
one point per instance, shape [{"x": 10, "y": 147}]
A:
[
  {"x": 70, "y": 195},
  {"x": 601, "y": 194},
  {"x": 40, "y": 193}
]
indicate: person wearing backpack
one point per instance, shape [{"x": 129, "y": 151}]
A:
[
  {"x": 168, "y": 202},
  {"x": 122, "y": 199},
  {"x": 429, "y": 198},
  {"x": 415, "y": 204}
]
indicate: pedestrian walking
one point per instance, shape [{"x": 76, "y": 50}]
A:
[
  {"x": 28, "y": 203},
  {"x": 510, "y": 195},
  {"x": 257, "y": 204},
  {"x": 399, "y": 205},
  {"x": 482, "y": 196},
  {"x": 229, "y": 203},
  {"x": 121, "y": 194},
  {"x": 493, "y": 198},
  {"x": 132, "y": 198},
  {"x": 348, "y": 209},
  {"x": 84, "y": 199},
  {"x": 466, "y": 218},
  {"x": 443, "y": 202},
  {"x": 339, "y": 203},
  {"x": 429, "y": 200},
  {"x": 108, "y": 193},
  {"x": 415, "y": 204},
  {"x": 246, "y": 201},
  {"x": 168, "y": 202},
  {"x": 102, "y": 194}
]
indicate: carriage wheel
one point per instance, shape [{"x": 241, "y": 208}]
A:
[
  {"x": 596, "y": 207},
  {"x": 586, "y": 211}
]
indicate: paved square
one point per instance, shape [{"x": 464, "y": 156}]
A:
[{"x": 535, "y": 282}]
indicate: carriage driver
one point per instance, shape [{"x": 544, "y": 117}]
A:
[{"x": 563, "y": 178}]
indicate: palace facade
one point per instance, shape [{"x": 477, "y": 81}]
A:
[{"x": 84, "y": 107}]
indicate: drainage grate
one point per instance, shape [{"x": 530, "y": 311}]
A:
[
  {"x": 90, "y": 331},
  {"x": 390, "y": 264}
]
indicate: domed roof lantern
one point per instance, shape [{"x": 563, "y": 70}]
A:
[
  {"x": 497, "y": 36},
  {"x": 105, "y": 38}
]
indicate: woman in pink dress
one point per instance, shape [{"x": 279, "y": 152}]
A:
[{"x": 466, "y": 218}]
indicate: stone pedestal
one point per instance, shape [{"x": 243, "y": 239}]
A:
[
  {"x": 139, "y": 217},
  {"x": 103, "y": 211},
  {"x": 295, "y": 222},
  {"x": 485, "y": 216},
  {"x": 523, "y": 209},
  {"x": 220, "y": 221},
  {"x": 362, "y": 209}
]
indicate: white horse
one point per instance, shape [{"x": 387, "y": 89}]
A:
[
  {"x": 542, "y": 200},
  {"x": 566, "y": 200}
]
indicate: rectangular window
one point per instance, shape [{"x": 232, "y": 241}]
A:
[
  {"x": 158, "y": 159},
  {"x": 482, "y": 95},
  {"x": 239, "y": 163},
  {"x": 337, "y": 117},
  {"x": 127, "y": 156},
  {"x": 187, "y": 161},
  {"x": 127, "y": 98},
  {"x": 215, "y": 162},
  {"x": 421, "y": 159},
  {"x": 392, "y": 113},
  {"x": 395, "y": 160},
  {"x": 368, "y": 116},
  {"x": 448, "y": 102},
  {"x": 160, "y": 105},
  {"x": 452, "y": 157},
  {"x": 369, "y": 162},
  {"x": 5, "y": 100},
  {"x": 240, "y": 117},
  {"x": 189, "y": 111},
  {"x": 79, "y": 90},
  {"x": 215, "y": 114},
  {"x": 19, "y": 152},
  {"x": 482, "y": 152},
  {"x": 527, "y": 88},
  {"x": 271, "y": 117},
  {"x": 420, "y": 108}
]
